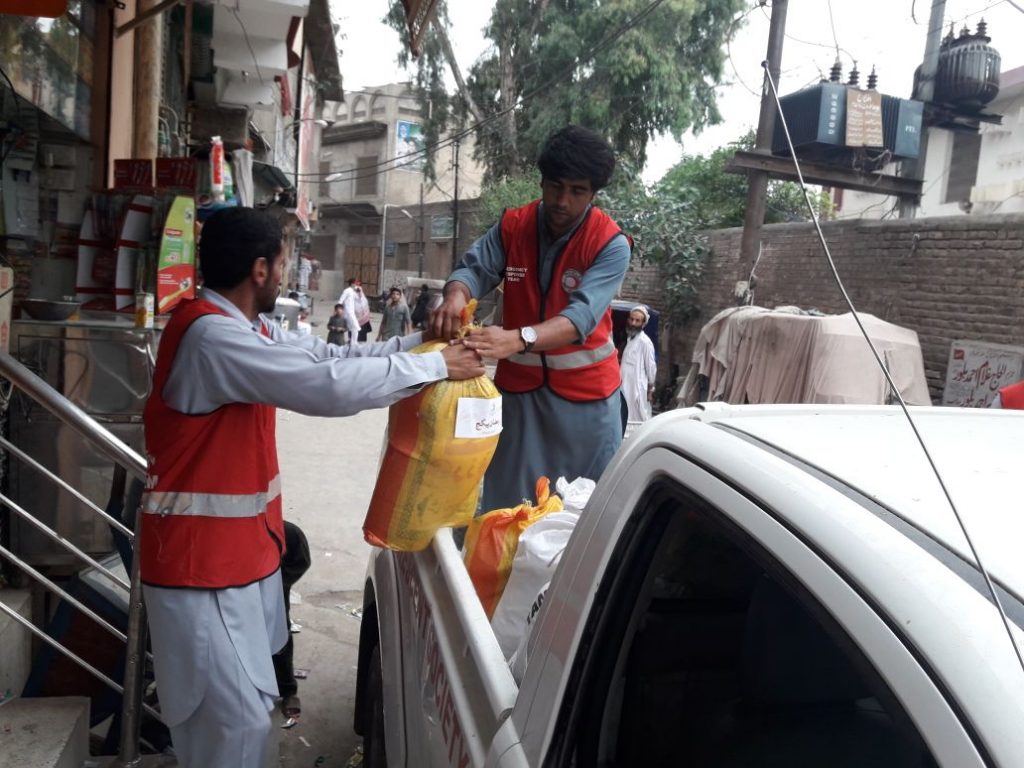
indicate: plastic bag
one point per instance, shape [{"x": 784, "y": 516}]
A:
[
  {"x": 440, "y": 442},
  {"x": 492, "y": 539},
  {"x": 540, "y": 548},
  {"x": 576, "y": 494}
]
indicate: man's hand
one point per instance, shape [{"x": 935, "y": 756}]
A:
[
  {"x": 462, "y": 362},
  {"x": 446, "y": 320},
  {"x": 494, "y": 342}
]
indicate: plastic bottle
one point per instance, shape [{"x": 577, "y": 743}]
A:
[{"x": 217, "y": 169}]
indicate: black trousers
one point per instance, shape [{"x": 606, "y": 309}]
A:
[{"x": 294, "y": 564}]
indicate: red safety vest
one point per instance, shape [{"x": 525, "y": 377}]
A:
[
  {"x": 212, "y": 509},
  {"x": 581, "y": 372},
  {"x": 1012, "y": 396}
]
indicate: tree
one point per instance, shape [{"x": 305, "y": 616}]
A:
[
  {"x": 630, "y": 70},
  {"x": 718, "y": 199}
]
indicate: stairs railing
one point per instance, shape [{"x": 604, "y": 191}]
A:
[{"x": 130, "y": 462}]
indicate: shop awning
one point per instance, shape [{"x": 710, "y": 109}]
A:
[
  {"x": 348, "y": 211},
  {"x": 418, "y": 14},
  {"x": 322, "y": 46},
  {"x": 50, "y": 9},
  {"x": 270, "y": 176}
]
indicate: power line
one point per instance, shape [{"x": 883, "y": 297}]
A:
[{"x": 911, "y": 421}]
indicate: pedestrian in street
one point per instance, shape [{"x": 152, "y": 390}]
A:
[
  {"x": 212, "y": 532},
  {"x": 562, "y": 260},
  {"x": 336, "y": 325},
  {"x": 396, "y": 320},
  {"x": 639, "y": 368},
  {"x": 421, "y": 311},
  {"x": 357, "y": 311},
  {"x": 294, "y": 563}
]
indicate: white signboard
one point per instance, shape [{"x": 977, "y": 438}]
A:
[{"x": 977, "y": 371}]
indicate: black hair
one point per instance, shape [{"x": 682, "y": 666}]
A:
[
  {"x": 232, "y": 240},
  {"x": 339, "y": 306},
  {"x": 577, "y": 153},
  {"x": 353, "y": 279}
]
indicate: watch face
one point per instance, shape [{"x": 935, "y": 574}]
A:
[{"x": 528, "y": 334}]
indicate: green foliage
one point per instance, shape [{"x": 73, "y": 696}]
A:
[
  {"x": 718, "y": 199},
  {"x": 551, "y": 63},
  {"x": 510, "y": 192},
  {"x": 665, "y": 234},
  {"x": 439, "y": 111}
]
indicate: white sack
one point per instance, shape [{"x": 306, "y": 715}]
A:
[
  {"x": 517, "y": 664},
  {"x": 540, "y": 547}
]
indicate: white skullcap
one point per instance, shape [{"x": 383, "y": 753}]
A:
[{"x": 643, "y": 309}]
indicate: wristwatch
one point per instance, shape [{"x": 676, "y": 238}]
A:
[{"x": 529, "y": 337}]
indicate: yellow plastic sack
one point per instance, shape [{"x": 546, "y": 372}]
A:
[
  {"x": 492, "y": 539},
  {"x": 430, "y": 477}
]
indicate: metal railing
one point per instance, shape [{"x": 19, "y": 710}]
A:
[{"x": 130, "y": 462}]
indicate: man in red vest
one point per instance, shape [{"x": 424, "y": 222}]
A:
[
  {"x": 562, "y": 261},
  {"x": 1010, "y": 397},
  {"x": 212, "y": 532}
]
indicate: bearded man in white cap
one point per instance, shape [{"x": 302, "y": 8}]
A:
[{"x": 638, "y": 366}]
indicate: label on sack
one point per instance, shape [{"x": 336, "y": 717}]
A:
[{"x": 478, "y": 417}]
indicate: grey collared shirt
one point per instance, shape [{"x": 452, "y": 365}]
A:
[{"x": 226, "y": 359}]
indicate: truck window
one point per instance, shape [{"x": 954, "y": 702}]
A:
[{"x": 724, "y": 661}]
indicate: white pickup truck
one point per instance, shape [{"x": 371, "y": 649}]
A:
[{"x": 748, "y": 586}]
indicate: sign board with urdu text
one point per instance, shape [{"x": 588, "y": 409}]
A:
[
  {"x": 978, "y": 370},
  {"x": 864, "y": 118}
]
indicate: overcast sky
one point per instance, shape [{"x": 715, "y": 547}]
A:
[{"x": 878, "y": 33}]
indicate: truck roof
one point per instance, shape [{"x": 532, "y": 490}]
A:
[{"x": 872, "y": 451}]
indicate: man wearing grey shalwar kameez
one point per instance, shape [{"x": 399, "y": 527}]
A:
[{"x": 212, "y": 647}]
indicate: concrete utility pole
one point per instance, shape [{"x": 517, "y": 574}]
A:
[
  {"x": 914, "y": 169},
  {"x": 757, "y": 181},
  {"x": 148, "y": 74},
  {"x": 455, "y": 211},
  {"x": 423, "y": 239}
]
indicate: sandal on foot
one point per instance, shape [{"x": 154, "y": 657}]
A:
[{"x": 291, "y": 706}]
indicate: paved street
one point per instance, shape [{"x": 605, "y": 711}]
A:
[{"x": 328, "y": 467}]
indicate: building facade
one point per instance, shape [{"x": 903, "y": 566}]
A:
[{"x": 381, "y": 219}]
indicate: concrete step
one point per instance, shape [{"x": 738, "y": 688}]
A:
[
  {"x": 45, "y": 733},
  {"x": 148, "y": 761},
  {"x": 15, "y": 643}
]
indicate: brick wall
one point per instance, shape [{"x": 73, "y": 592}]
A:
[{"x": 946, "y": 278}]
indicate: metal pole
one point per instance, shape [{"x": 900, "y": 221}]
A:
[
  {"x": 131, "y": 703},
  {"x": 455, "y": 211},
  {"x": 383, "y": 241},
  {"x": 914, "y": 169},
  {"x": 419, "y": 227},
  {"x": 757, "y": 181}
]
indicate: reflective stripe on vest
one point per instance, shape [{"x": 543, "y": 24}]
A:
[
  {"x": 526, "y": 304},
  {"x": 211, "y": 504},
  {"x": 568, "y": 361}
]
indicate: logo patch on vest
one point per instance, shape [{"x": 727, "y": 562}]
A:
[{"x": 571, "y": 280}]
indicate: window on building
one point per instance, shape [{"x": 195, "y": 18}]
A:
[
  {"x": 963, "y": 167},
  {"x": 366, "y": 175},
  {"x": 325, "y": 186}
]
